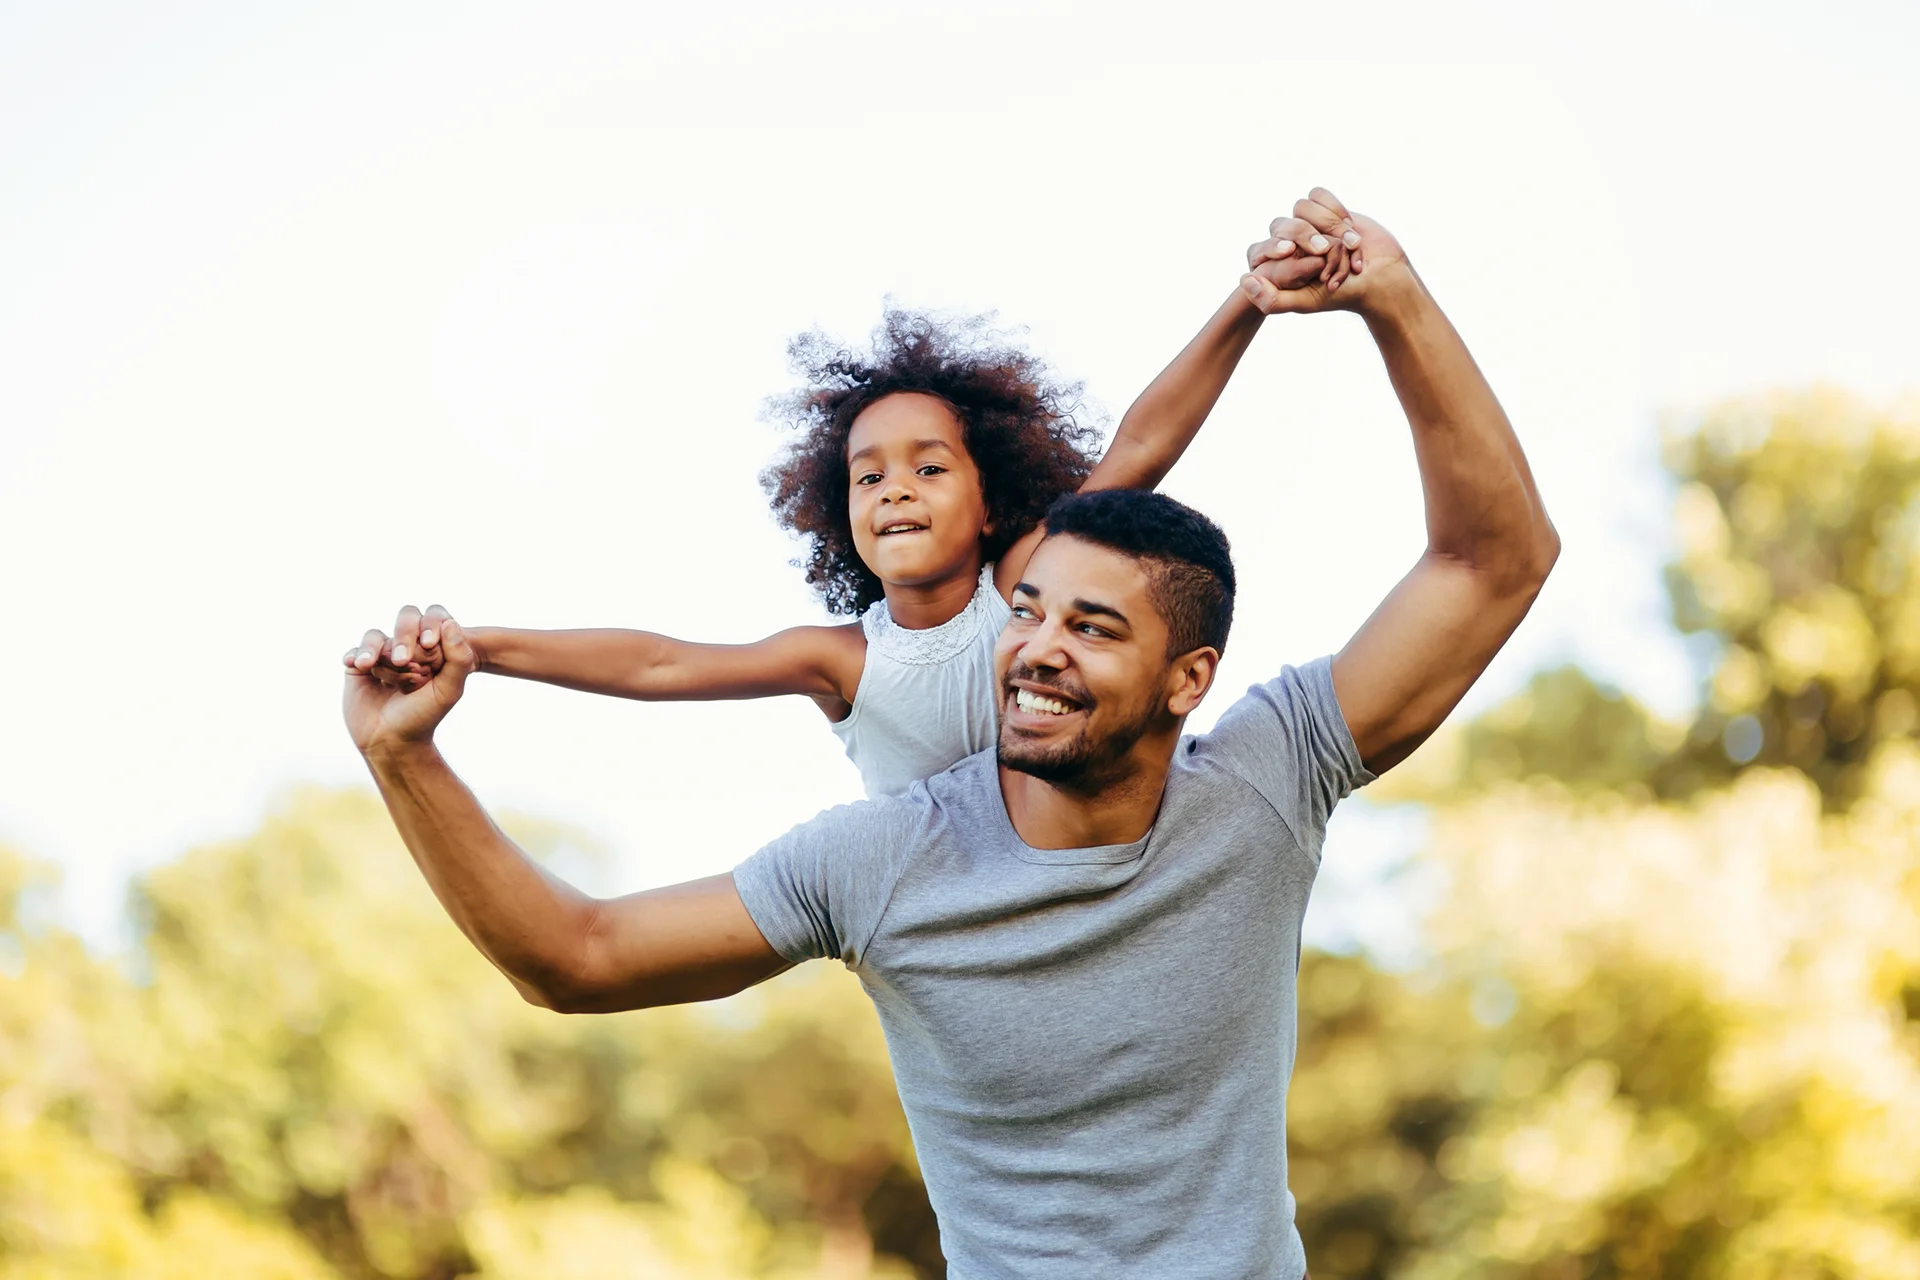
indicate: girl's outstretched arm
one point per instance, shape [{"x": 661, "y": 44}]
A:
[{"x": 823, "y": 663}]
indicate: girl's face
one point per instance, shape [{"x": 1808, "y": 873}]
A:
[{"x": 913, "y": 492}]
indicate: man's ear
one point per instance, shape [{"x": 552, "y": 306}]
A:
[{"x": 1189, "y": 679}]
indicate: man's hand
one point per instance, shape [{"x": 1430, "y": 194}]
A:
[
  {"x": 400, "y": 689},
  {"x": 1361, "y": 259}
]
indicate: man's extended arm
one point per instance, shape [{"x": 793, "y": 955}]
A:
[
  {"x": 559, "y": 947},
  {"x": 1489, "y": 542}
]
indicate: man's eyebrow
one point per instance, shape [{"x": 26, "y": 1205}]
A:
[
  {"x": 1104, "y": 610},
  {"x": 1079, "y": 605}
]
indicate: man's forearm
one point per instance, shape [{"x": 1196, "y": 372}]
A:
[
  {"x": 1482, "y": 507},
  {"x": 1162, "y": 421},
  {"x": 529, "y": 924}
]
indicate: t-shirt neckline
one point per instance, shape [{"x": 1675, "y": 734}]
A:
[{"x": 1104, "y": 854}]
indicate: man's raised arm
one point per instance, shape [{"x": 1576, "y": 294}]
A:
[
  {"x": 559, "y": 947},
  {"x": 1489, "y": 542}
]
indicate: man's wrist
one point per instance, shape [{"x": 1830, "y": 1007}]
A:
[
  {"x": 391, "y": 755},
  {"x": 1396, "y": 298}
]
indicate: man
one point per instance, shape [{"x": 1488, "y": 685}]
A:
[{"x": 1084, "y": 948}]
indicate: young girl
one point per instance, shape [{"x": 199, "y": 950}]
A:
[{"x": 919, "y": 479}]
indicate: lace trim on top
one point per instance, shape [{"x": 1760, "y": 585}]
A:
[{"x": 928, "y": 646}]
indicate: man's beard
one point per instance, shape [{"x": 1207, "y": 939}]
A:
[{"x": 1081, "y": 761}]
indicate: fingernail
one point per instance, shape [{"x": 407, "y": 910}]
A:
[
  {"x": 1352, "y": 239},
  {"x": 399, "y": 654},
  {"x": 363, "y": 656},
  {"x": 1319, "y": 244},
  {"x": 1335, "y": 285},
  {"x": 428, "y": 639}
]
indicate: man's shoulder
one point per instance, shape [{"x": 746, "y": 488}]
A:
[
  {"x": 1299, "y": 696},
  {"x": 965, "y": 790}
]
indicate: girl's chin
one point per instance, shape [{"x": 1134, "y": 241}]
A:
[{"x": 900, "y": 568}]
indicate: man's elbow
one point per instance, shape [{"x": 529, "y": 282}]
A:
[
  {"x": 561, "y": 996},
  {"x": 1543, "y": 553},
  {"x": 1523, "y": 571},
  {"x": 583, "y": 993}
]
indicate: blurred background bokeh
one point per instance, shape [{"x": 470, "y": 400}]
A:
[{"x": 308, "y": 313}]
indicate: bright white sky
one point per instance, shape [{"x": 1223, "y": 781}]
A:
[{"x": 308, "y": 311}]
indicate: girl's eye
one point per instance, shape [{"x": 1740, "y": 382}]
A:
[
  {"x": 932, "y": 469},
  {"x": 871, "y": 477}
]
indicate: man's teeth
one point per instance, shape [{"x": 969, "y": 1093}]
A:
[{"x": 1035, "y": 702}]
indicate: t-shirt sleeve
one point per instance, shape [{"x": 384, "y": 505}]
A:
[
  {"x": 1288, "y": 740},
  {"x": 819, "y": 890}
]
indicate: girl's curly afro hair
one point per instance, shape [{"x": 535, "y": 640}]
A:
[{"x": 1019, "y": 424}]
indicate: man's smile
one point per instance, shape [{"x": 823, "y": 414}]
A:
[
  {"x": 1034, "y": 702},
  {"x": 1034, "y": 706}
]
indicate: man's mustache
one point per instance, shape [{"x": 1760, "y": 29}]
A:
[{"x": 1069, "y": 692}]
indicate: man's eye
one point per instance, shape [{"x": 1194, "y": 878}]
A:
[
  {"x": 1090, "y": 629},
  {"x": 1021, "y": 611}
]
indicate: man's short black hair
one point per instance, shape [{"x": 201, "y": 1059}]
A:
[{"x": 1189, "y": 565}]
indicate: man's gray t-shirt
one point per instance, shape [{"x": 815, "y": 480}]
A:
[{"x": 1092, "y": 1045}]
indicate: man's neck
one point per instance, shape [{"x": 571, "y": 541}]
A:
[{"x": 1118, "y": 810}]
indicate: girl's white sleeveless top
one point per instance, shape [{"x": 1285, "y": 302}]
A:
[{"x": 926, "y": 699}]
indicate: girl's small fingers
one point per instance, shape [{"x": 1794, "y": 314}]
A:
[
  {"x": 1336, "y": 264},
  {"x": 1341, "y": 272}
]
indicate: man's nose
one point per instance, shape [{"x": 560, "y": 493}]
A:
[{"x": 1045, "y": 648}]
